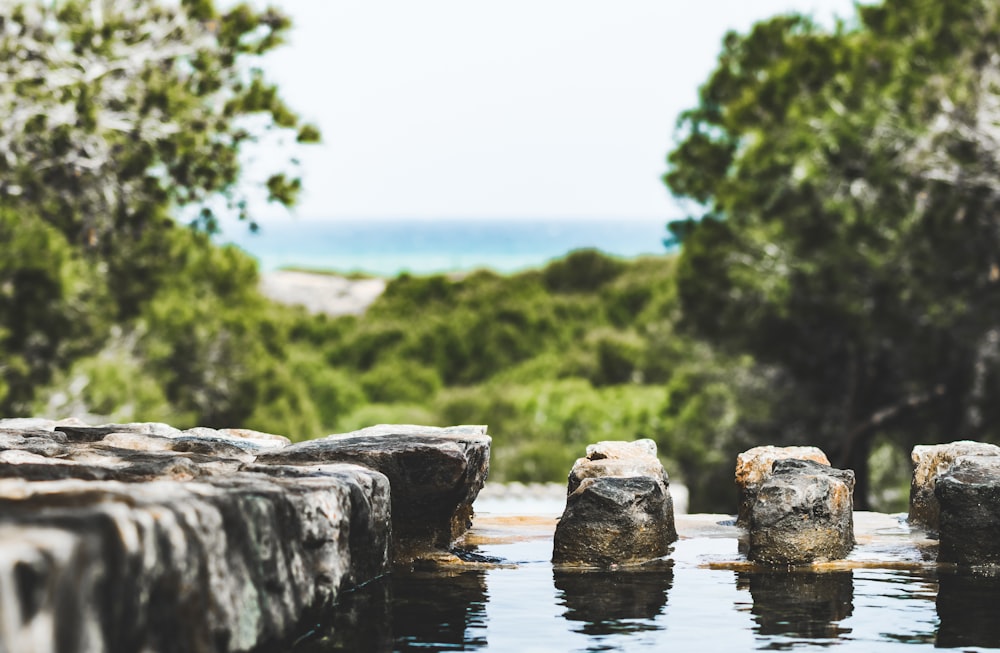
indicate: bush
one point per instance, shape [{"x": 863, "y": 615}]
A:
[
  {"x": 401, "y": 381},
  {"x": 371, "y": 414},
  {"x": 584, "y": 270}
]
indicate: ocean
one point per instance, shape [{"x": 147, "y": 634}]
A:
[{"x": 389, "y": 247}]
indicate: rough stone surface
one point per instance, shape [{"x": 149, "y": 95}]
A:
[
  {"x": 802, "y": 514},
  {"x": 929, "y": 463},
  {"x": 435, "y": 475},
  {"x": 143, "y": 537},
  {"x": 618, "y": 509},
  {"x": 753, "y": 467},
  {"x": 969, "y": 498}
]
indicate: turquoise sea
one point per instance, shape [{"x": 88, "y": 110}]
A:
[{"x": 388, "y": 247}]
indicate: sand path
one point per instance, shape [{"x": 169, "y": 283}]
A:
[{"x": 322, "y": 293}]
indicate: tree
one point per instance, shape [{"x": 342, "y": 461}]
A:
[
  {"x": 114, "y": 109},
  {"x": 849, "y": 237},
  {"x": 117, "y": 119}
]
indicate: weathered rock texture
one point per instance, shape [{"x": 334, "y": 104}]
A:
[
  {"x": 929, "y": 463},
  {"x": 753, "y": 467},
  {"x": 803, "y": 513},
  {"x": 618, "y": 508},
  {"x": 969, "y": 498},
  {"x": 435, "y": 475},
  {"x": 141, "y": 537}
]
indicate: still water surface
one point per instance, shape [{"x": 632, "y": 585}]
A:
[{"x": 703, "y": 597}]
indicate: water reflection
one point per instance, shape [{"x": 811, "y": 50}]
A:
[
  {"x": 967, "y": 606},
  {"x": 800, "y": 604},
  {"x": 607, "y": 602},
  {"x": 408, "y": 611}
]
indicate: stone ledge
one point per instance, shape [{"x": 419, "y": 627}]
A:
[{"x": 130, "y": 537}]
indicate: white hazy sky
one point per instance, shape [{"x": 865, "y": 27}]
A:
[{"x": 514, "y": 109}]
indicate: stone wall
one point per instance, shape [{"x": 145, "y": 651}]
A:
[{"x": 142, "y": 537}]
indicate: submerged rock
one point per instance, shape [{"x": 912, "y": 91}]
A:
[
  {"x": 618, "y": 509},
  {"x": 142, "y": 537},
  {"x": 929, "y": 463},
  {"x": 753, "y": 467},
  {"x": 802, "y": 513},
  {"x": 435, "y": 475},
  {"x": 969, "y": 498}
]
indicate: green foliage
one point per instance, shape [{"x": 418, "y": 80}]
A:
[
  {"x": 584, "y": 270},
  {"x": 837, "y": 281},
  {"x": 404, "y": 381},
  {"x": 392, "y": 413},
  {"x": 890, "y": 472},
  {"x": 848, "y": 236},
  {"x": 108, "y": 116},
  {"x": 540, "y": 428},
  {"x": 50, "y": 307},
  {"x": 114, "y": 120},
  {"x": 111, "y": 386}
]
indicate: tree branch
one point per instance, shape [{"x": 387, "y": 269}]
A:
[{"x": 883, "y": 415}]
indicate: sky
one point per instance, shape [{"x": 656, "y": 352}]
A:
[{"x": 521, "y": 109}]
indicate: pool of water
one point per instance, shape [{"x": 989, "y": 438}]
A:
[{"x": 704, "y": 596}]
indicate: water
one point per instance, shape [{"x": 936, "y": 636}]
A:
[
  {"x": 386, "y": 248},
  {"x": 889, "y": 596}
]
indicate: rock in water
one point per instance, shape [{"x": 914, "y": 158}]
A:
[
  {"x": 803, "y": 513},
  {"x": 929, "y": 463},
  {"x": 618, "y": 510},
  {"x": 435, "y": 475},
  {"x": 143, "y": 537},
  {"x": 969, "y": 498},
  {"x": 753, "y": 467}
]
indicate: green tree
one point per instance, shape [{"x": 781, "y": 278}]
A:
[
  {"x": 847, "y": 234},
  {"x": 117, "y": 118},
  {"x": 50, "y": 307},
  {"x": 113, "y": 110}
]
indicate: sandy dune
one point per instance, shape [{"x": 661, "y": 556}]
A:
[{"x": 322, "y": 293}]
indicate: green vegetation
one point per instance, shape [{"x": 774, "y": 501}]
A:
[
  {"x": 550, "y": 365},
  {"x": 837, "y": 284},
  {"x": 847, "y": 238},
  {"x": 113, "y": 121}
]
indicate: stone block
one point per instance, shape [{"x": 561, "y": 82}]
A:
[
  {"x": 753, "y": 467},
  {"x": 802, "y": 513},
  {"x": 142, "y": 537},
  {"x": 929, "y": 463},
  {"x": 229, "y": 563},
  {"x": 968, "y": 495},
  {"x": 435, "y": 475},
  {"x": 618, "y": 508}
]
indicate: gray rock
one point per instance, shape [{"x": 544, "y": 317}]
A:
[
  {"x": 622, "y": 459},
  {"x": 802, "y": 513},
  {"x": 929, "y": 463},
  {"x": 435, "y": 475},
  {"x": 753, "y": 467},
  {"x": 969, "y": 498},
  {"x": 618, "y": 510},
  {"x": 164, "y": 566},
  {"x": 144, "y": 538}
]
